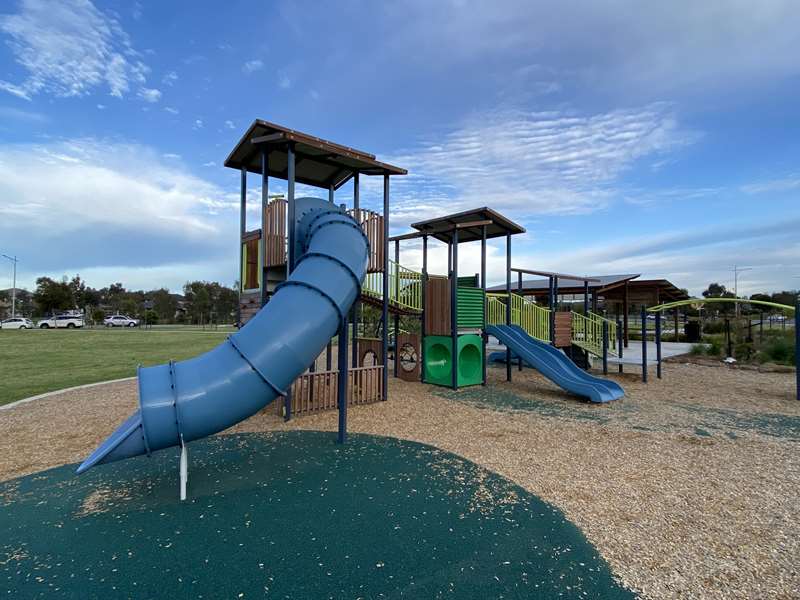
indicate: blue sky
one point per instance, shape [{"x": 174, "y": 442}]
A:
[{"x": 661, "y": 140}]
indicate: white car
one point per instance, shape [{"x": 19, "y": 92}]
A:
[
  {"x": 17, "y": 323},
  {"x": 61, "y": 322},
  {"x": 120, "y": 321}
]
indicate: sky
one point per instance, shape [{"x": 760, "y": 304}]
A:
[{"x": 626, "y": 137}]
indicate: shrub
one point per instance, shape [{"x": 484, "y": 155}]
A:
[
  {"x": 743, "y": 351},
  {"x": 779, "y": 350},
  {"x": 698, "y": 349},
  {"x": 714, "y": 327},
  {"x": 714, "y": 347}
]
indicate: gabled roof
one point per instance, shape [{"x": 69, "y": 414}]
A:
[
  {"x": 318, "y": 162},
  {"x": 442, "y": 228}
]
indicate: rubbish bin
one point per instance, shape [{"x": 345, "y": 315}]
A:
[{"x": 692, "y": 331}]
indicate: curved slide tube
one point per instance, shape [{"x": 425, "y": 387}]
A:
[
  {"x": 187, "y": 400},
  {"x": 555, "y": 365}
]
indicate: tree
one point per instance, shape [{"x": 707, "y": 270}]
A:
[
  {"x": 164, "y": 304},
  {"x": 717, "y": 290},
  {"x": 52, "y": 296},
  {"x": 209, "y": 300}
]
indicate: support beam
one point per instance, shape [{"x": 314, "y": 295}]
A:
[
  {"x": 397, "y": 315},
  {"x": 551, "y": 302},
  {"x": 625, "y": 310},
  {"x": 242, "y": 230},
  {"x": 264, "y": 224},
  {"x": 508, "y": 301},
  {"x": 343, "y": 377},
  {"x": 586, "y": 298},
  {"x": 423, "y": 321},
  {"x": 620, "y": 343},
  {"x": 290, "y": 257},
  {"x": 454, "y": 310},
  {"x": 519, "y": 291},
  {"x": 644, "y": 344},
  {"x": 658, "y": 345},
  {"x": 385, "y": 306},
  {"x": 356, "y": 306},
  {"x": 484, "y": 337}
]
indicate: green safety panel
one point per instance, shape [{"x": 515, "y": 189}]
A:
[
  {"x": 471, "y": 306},
  {"x": 468, "y": 281},
  {"x": 438, "y": 363}
]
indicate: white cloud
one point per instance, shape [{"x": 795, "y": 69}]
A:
[
  {"x": 198, "y": 124},
  {"x": 101, "y": 107},
  {"x": 16, "y": 114},
  {"x": 251, "y": 66},
  {"x": 783, "y": 184},
  {"x": 170, "y": 78},
  {"x": 171, "y": 155},
  {"x": 171, "y": 110},
  {"x": 115, "y": 204},
  {"x": 68, "y": 48},
  {"x": 151, "y": 95},
  {"x": 284, "y": 82},
  {"x": 210, "y": 163},
  {"x": 529, "y": 163},
  {"x": 230, "y": 124}
]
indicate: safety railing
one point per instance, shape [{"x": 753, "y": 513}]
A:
[
  {"x": 405, "y": 286},
  {"x": 534, "y": 319},
  {"x": 587, "y": 333}
]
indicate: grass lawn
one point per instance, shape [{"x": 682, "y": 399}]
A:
[{"x": 37, "y": 361}]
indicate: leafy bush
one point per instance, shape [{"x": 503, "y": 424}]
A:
[
  {"x": 779, "y": 350},
  {"x": 698, "y": 349},
  {"x": 714, "y": 347},
  {"x": 743, "y": 351},
  {"x": 714, "y": 327}
]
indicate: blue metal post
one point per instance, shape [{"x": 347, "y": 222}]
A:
[
  {"x": 605, "y": 347},
  {"x": 620, "y": 343},
  {"x": 423, "y": 322},
  {"x": 343, "y": 376},
  {"x": 552, "y": 305},
  {"x": 397, "y": 301},
  {"x": 797, "y": 345},
  {"x": 357, "y": 216},
  {"x": 484, "y": 337},
  {"x": 519, "y": 289},
  {"x": 644, "y": 344},
  {"x": 658, "y": 345},
  {"x": 264, "y": 203},
  {"x": 585, "y": 298},
  {"x": 454, "y": 310},
  {"x": 242, "y": 229},
  {"x": 290, "y": 257},
  {"x": 385, "y": 306},
  {"x": 508, "y": 301},
  {"x": 329, "y": 347}
]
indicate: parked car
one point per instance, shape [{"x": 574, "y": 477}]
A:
[
  {"x": 120, "y": 321},
  {"x": 17, "y": 323},
  {"x": 61, "y": 322}
]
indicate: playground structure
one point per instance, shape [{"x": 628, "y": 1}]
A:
[{"x": 303, "y": 275}]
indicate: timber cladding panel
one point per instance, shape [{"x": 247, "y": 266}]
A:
[
  {"x": 437, "y": 306},
  {"x": 563, "y": 329},
  {"x": 409, "y": 354},
  {"x": 372, "y": 225},
  {"x": 275, "y": 238}
]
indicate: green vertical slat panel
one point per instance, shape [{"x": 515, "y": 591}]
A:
[
  {"x": 471, "y": 305},
  {"x": 468, "y": 281}
]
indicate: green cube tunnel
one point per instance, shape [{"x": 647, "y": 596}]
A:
[{"x": 439, "y": 360}]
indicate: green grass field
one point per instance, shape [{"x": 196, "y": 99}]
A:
[{"x": 34, "y": 362}]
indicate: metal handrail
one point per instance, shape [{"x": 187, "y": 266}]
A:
[
  {"x": 587, "y": 333},
  {"x": 405, "y": 286},
  {"x": 534, "y": 319}
]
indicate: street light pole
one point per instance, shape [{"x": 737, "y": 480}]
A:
[
  {"x": 14, "y": 260},
  {"x": 736, "y": 271}
]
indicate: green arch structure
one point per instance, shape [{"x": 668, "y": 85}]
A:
[{"x": 691, "y": 301}]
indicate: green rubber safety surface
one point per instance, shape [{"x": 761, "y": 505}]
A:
[{"x": 291, "y": 515}]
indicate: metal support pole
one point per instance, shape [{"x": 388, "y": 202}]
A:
[
  {"x": 585, "y": 298},
  {"x": 423, "y": 320},
  {"x": 242, "y": 229},
  {"x": 290, "y": 180},
  {"x": 356, "y": 305},
  {"x": 484, "y": 337},
  {"x": 328, "y": 358},
  {"x": 397, "y": 301},
  {"x": 385, "y": 306},
  {"x": 519, "y": 289},
  {"x": 264, "y": 204},
  {"x": 658, "y": 345},
  {"x": 331, "y": 194},
  {"x": 605, "y": 347},
  {"x": 508, "y": 301},
  {"x": 644, "y": 344},
  {"x": 290, "y": 257},
  {"x": 797, "y": 346},
  {"x": 761, "y": 326},
  {"x": 342, "y": 388},
  {"x": 677, "y": 333},
  {"x": 728, "y": 342},
  {"x": 454, "y": 310},
  {"x": 552, "y": 305},
  {"x": 626, "y": 308},
  {"x": 620, "y": 343}
]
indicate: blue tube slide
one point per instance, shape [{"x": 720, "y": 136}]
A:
[
  {"x": 195, "y": 398},
  {"x": 555, "y": 365}
]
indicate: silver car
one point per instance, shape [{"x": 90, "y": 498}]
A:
[{"x": 17, "y": 323}]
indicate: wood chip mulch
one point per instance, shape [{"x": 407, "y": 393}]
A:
[{"x": 688, "y": 486}]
